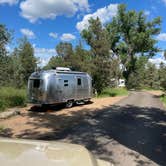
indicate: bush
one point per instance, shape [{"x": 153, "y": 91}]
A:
[
  {"x": 10, "y": 97},
  {"x": 111, "y": 92},
  {"x": 163, "y": 99}
]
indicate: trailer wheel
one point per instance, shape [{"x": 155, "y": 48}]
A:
[{"x": 69, "y": 103}]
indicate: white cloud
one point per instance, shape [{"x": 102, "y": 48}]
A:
[
  {"x": 36, "y": 9},
  {"x": 67, "y": 37},
  {"x": 164, "y": 1},
  {"x": 44, "y": 55},
  {"x": 105, "y": 14},
  {"x": 10, "y": 2},
  {"x": 28, "y": 33},
  {"x": 161, "y": 37},
  {"x": 43, "y": 62},
  {"x": 39, "y": 52},
  {"x": 147, "y": 12},
  {"x": 157, "y": 61},
  {"x": 53, "y": 35}
]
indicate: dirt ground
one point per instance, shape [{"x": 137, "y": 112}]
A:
[
  {"x": 34, "y": 122},
  {"x": 155, "y": 92},
  {"x": 126, "y": 131}
]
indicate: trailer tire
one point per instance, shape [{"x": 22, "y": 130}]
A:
[{"x": 69, "y": 103}]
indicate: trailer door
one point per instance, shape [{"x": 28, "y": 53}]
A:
[
  {"x": 66, "y": 88},
  {"x": 80, "y": 87}
]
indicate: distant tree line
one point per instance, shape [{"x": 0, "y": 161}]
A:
[
  {"x": 15, "y": 67},
  {"x": 119, "y": 49}
]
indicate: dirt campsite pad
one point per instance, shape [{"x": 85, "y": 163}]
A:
[
  {"x": 155, "y": 92},
  {"x": 34, "y": 123}
]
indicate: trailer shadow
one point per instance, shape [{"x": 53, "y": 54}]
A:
[
  {"x": 57, "y": 107},
  {"x": 142, "y": 129}
]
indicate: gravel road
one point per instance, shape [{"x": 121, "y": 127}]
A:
[{"x": 130, "y": 133}]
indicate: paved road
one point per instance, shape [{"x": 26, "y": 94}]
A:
[{"x": 132, "y": 132}]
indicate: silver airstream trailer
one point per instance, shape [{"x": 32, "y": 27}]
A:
[{"x": 59, "y": 86}]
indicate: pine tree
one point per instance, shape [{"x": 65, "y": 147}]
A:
[
  {"x": 26, "y": 59},
  {"x": 96, "y": 36},
  {"x": 162, "y": 76},
  {"x": 5, "y": 37}
]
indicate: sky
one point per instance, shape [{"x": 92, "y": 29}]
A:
[{"x": 47, "y": 22}]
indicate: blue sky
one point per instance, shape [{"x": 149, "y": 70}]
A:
[{"x": 47, "y": 22}]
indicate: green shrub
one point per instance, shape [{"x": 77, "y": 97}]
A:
[
  {"x": 2, "y": 128},
  {"x": 163, "y": 99},
  {"x": 111, "y": 92},
  {"x": 11, "y": 97},
  {"x": 2, "y": 105}
]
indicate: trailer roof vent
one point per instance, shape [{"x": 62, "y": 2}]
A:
[{"x": 63, "y": 69}]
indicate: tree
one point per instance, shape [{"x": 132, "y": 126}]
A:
[
  {"x": 78, "y": 59},
  {"x": 26, "y": 58},
  {"x": 165, "y": 54},
  {"x": 162, "y": 76},
  {"x": 5, "y": 37},
  {"x": 131, "y": 34},
  {"x": 137, "y": 79},
  {"x": 16, "y": 73},
  {"x": 65, "y": 50},
  {"x": 82, "y": 59},
  {"x": 151, "y": 77},
  {"x": 64, "y": 55},
  {"x": 96, "y": 36},
  {"x": 54, "y": 62}
]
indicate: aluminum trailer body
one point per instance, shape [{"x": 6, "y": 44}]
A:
[{"x": 56, "y": 86}]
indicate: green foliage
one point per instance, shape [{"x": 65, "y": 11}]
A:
[
  {"x": 64, "y": 50},
  {"x": 144, "y": 76},
  {"x": 82, "y": 59},
  {"x": 137, "y": 76},
  {"x": 54, "y": 62},
  {"x": 78, "y": 59},
  {"x": 11, "y": 97},
  {"x": 162, "y": 76},
  {"x": 16, "y": 70},
  {"x": 165, "y": 54},
  {"x": 151, "y": 76},
  {"x": 97, "y": 37},
  {"x": 163, "y": 99},
  {"x": 26, "y": 59},
  {"x": 5, "y": 37},
  {"x": 2, "y": 128},
  {"x": 16, "y": 67},
  {"x": 5, "y": 69},
  {"x": 112, "y": 92},
  {"x": 130, "y": 34}
]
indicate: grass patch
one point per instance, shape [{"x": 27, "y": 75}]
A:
[
  {"x": 112, "y": 92},
  {"x": 163, "y": 99},
  {"x": 2, "y": 128},
  {"x": 11, "y": 97},
  {"x": 149, "y": 89}
]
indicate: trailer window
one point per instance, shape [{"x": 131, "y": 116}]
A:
[
  {"x": 65, "y": 82},
  {"x": 79, "y": 81},
  {"x": 36, "y": 83}
]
